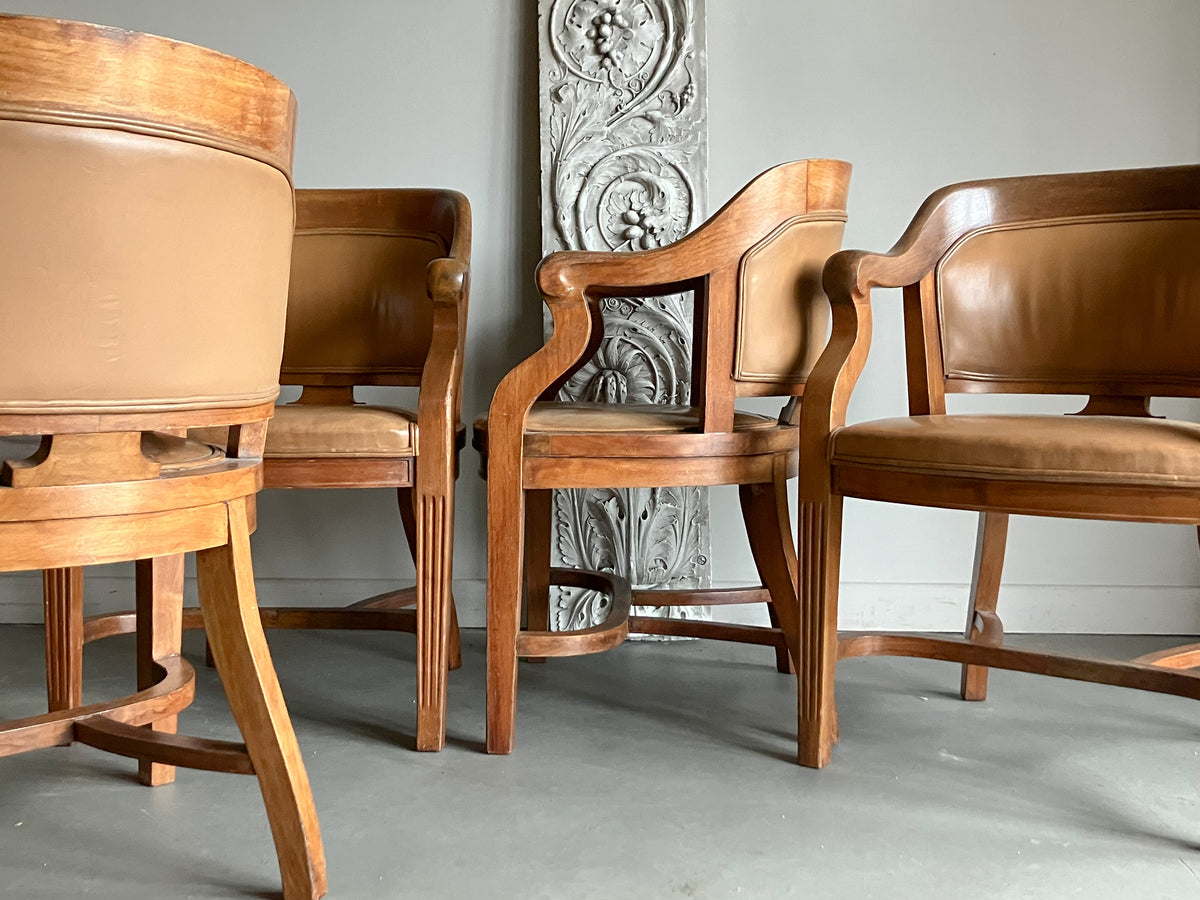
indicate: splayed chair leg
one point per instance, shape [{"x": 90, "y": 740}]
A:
[
  {"x": 769, "y": 528},
  {"x": 239, "y": 647}
]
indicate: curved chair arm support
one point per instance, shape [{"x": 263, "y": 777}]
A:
[
  {"x": 827, "y": 391},
  {"x": 848, "y": 278},
  {"x": 635, "y": 273},
  {"x": 568, "y": 342},
  {"x": 440, "y": 397}
]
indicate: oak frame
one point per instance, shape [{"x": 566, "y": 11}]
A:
[
  {"x": 89, "y": 495},
  {"x": 424, "y": 481},
  {"x": 522, "y": 467},
  {"x": 946, "y": 218}
]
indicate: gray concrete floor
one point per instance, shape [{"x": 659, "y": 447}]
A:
[{"x": 651, "y": 771}]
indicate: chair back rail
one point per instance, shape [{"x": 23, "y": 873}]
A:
[
  {"x": 760, "y": 314},
  {"x": 359, "y": 309},
  {"x": 167, "y": 171},
  {"x": 1086, "y": 283}
]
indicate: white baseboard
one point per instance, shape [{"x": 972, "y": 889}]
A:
[{"x": 1080, "y": 609}]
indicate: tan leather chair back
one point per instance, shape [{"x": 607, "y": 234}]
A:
[
  {"x": 782, "y": 313},
  {"x": 359, "y": 309},
  {"x": 147, "y": 223},
  {"x": 1096, "y": 291}
]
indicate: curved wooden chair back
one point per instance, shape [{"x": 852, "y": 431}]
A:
[
  {"x": 760, "y": 319},
  {"x": 144, "y": 251},
  {"x": 117, "y": 202},
  {"x": 1082, "y": 283},
  {"x": 1064, "y": 284},
  {"x": 359, "y": 310},
  {"x": 378, "y": 296}
]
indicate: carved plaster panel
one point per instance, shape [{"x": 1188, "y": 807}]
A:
[{"x": 624, "y": 155}]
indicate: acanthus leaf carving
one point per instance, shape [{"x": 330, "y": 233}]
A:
[{"x": 623, "y": 161}]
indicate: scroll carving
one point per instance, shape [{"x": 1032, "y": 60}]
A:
[{"x": 623, "y": 160}]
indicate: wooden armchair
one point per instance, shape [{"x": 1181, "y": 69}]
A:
[
  {"x": 144, "y": 252},
  {"x": 1062, "y": 284},
  {"x": 378, "y": 296},
  {"x": 760, "y": 321}
]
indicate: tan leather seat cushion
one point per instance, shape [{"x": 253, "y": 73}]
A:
[
  {"x": 579, "y": 417},
  {"x": 298, "y": 431},
  {"x": 1107, "y": 449},
  {"x": 174, "y": 454}
]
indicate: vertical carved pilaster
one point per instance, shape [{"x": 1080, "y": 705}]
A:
[
  {"x": 433, "y": 605},
  {"x": 624, "y": 153},
  {"x": 819, "y": 550}
]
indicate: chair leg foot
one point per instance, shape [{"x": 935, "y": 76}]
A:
[
  {"x": 231, "y": 620},
  {"x": 159, "y": 634}
]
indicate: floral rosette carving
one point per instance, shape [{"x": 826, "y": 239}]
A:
[{"x": 623, "y": 162}]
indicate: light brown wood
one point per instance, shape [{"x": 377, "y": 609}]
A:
[
  {"x": 163, "y": 750},
  {"x": 185, "y": 91},
  {"x": 62, "y": 593},
  {"x": 227, "y": 601},
  {"x": 593, "y": 639},
  {"x": 72, "y": 459},
  {"x": 425, "y": 480},
  {"x": 159, "y": 628},
  {"x": 89, "y": 495},
  {"x": 983, "y": 625},
  {"x": 538, "y": 513},
  {"x": 522, "y": 463},
  {"x": 1048, "y": 207},
  {"x": 173, "y": 692}
]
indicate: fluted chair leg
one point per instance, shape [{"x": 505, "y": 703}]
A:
[
  {"x": 406, "y": 502},
  {"x": 62, "y": 597},
  {"x": 819, "y": 550},
  {"x": 435, "y": 538}
]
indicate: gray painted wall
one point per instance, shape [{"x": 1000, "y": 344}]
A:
[{"x": 916, "y": 94}]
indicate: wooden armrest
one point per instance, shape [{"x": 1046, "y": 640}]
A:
[
  {"x": 447, "y": 280},
  {"x": 439, "y": 399},
  {"x": 637, "y": 273}
]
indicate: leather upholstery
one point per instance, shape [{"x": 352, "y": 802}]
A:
[
  {"x": 585, "y": 418},
  {"x": 314, "y": 431},
  {"x": 1070, "y": 302},
  {"x": 302, "y": 431},
  {"x": 358, "y": 301},
  {"x": 1080, "y": 449},
  {"x": 162, "y": 288},
  {"x": 783, "y": 313}
]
